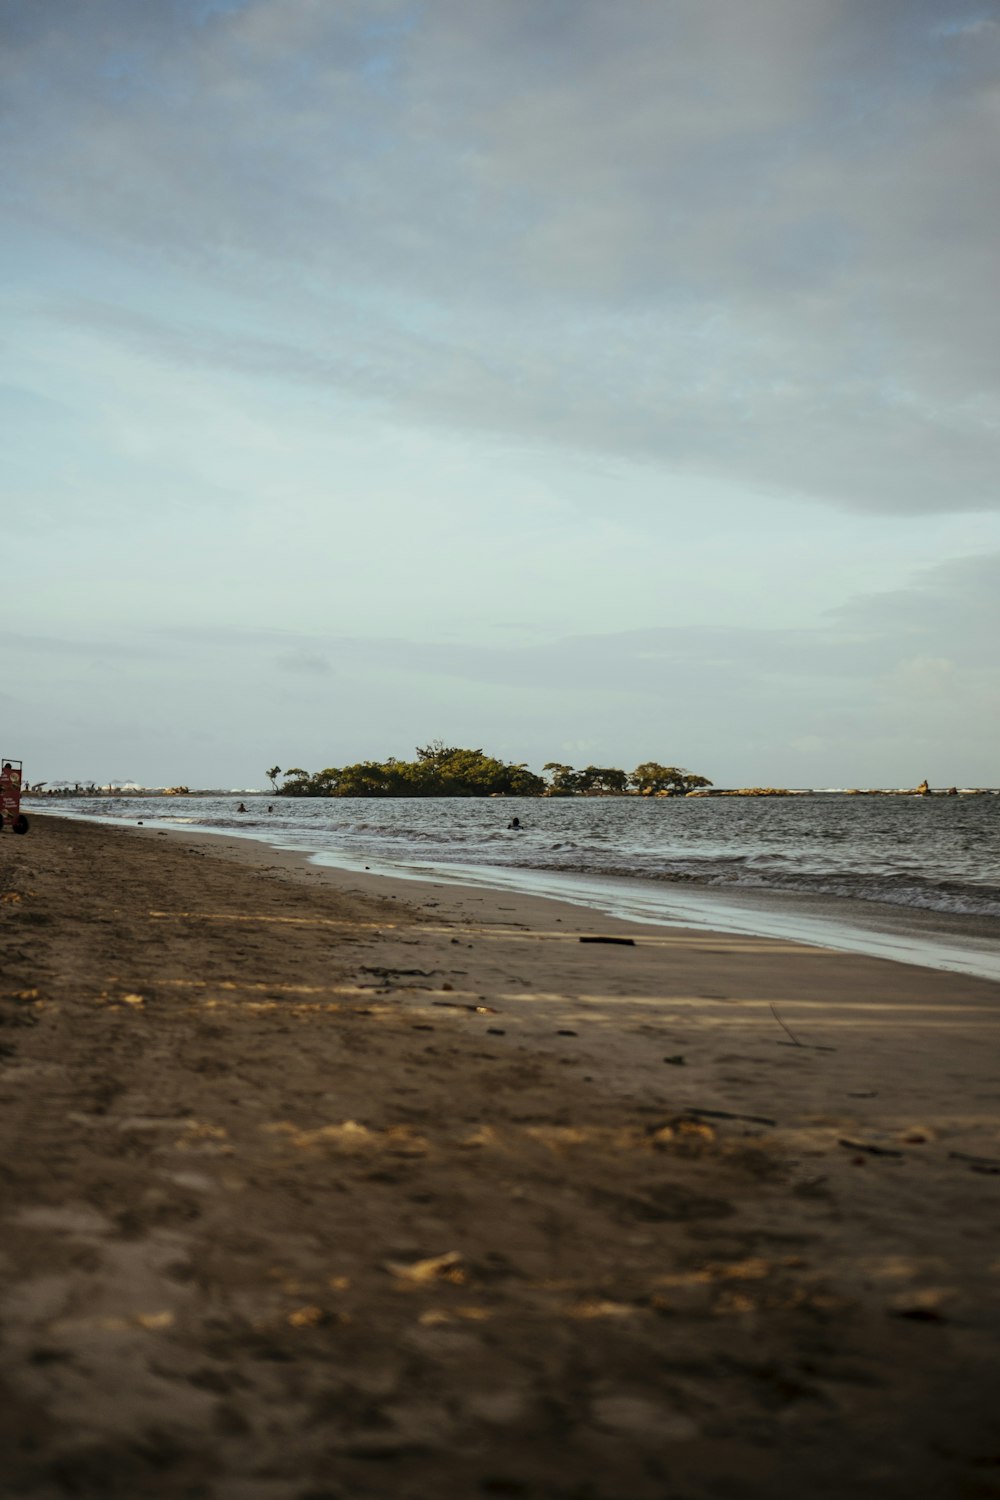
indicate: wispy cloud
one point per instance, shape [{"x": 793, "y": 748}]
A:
[
  {"x": 538, "y": 372},
  {"x": 753, "y": 248}
]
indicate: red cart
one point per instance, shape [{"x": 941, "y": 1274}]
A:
[{"x": 11, "y": 815}]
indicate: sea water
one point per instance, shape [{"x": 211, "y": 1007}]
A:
[{"x": 903, "y": 876}]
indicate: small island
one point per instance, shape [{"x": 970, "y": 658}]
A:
[{"x": 441, "y": 770}]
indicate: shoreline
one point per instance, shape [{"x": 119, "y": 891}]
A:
[
  {"x": 950, "y": 942},
  {"x": 748, "y": 792},
  {"x": 316, "y": 1183}
]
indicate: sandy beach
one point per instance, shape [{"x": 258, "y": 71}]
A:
[{"x": 322, "y": 1186}]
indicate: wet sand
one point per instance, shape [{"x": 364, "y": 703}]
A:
[{"x": 325, "y": 1186}]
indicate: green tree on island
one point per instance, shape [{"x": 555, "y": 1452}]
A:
[
  {"x": 564, "y": 782},
  {"x": 441, "y": 770},
  {"x": 296, "y": 783},
  {"x": 602, "y": 781},
  {"x": 651, "y": 778},
  {"x": 438, "y": 771}
]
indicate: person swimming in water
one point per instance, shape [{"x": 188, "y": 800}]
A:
[
  {"x": 515, "y": 823},
  {"x": 241, "y": 808}
]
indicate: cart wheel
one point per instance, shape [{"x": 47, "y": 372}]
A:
[{"x": 20, "y": 824}]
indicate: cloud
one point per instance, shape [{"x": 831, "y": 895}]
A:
[
  {"x": 743, "y": 241},
  {"x": 17, "y": 644},
  {"x": 896, "y": 686},
  {"x": 308, "y": 663},
  {"x": 944, "y": 621},
  {"x": 950, "y": 610},
  {"x": 926, "y": 677},
  {"x": 923, "y": 638}
]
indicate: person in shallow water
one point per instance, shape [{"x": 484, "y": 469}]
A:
[
  {"x": 241, "y": 808},
  {"x": 515, "y": 823}
]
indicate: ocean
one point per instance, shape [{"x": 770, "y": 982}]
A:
[{"x": 906, "y": 877}]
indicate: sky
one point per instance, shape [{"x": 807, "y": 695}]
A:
[{"x": 584, "y": 380}]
